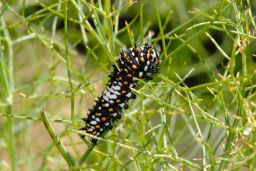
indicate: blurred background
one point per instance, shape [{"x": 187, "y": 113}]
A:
[{"x": 59, "y": 59}]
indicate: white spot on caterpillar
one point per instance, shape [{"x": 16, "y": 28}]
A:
[
  {"x": 113, "y": 91},
  {"x": 97, "y": 119},
  {"x": 93, "y": 122},
  {"x": 106, "y": 104},
  {"x": 116, "y": 87},
  {"x": 154, "y": 54},
  {"x": 148, "y": 62},
  {"x": 146, "y": 68},
  {"x": 93, "y": 117},
  {"x": 128, "y": 94},
  {"x": 90, "y": 130},
  {"x": 111, "y": 96},
  {"x": 105, "y": 97},
  {"x": 140, "y": 74},
  {"x": 137, "y": 60},
  {"x": 101, "y": 129},
  {"x": 111, "y": 101},
  {"x": 122, "y": 105},
  {"x": 114, "y": 114}
]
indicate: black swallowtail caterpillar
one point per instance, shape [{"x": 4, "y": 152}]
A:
[{"x": 138, "y": 62}]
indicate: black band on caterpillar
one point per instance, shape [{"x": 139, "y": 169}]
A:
[{"x": 138, "y": 62}]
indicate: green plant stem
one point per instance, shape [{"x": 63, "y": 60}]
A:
[
  {"x": 11, "y": 140},
  {"x": 68, "y": 158},
  {"x": 86, "y": 154},
  {"x": 198, "y": 129},
  {"x": 160, "y": 28},
  {"x": 69, "y": 64},
  {"x": 9, "y": 80},
  {"x": 141, "y": 20}
]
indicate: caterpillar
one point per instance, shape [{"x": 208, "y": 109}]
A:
[{"x": 138, "y": 62}]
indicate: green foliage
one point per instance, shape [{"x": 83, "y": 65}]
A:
[{"x": 197, "y": 114}]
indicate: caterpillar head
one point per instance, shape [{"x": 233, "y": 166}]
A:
[{"x": 140, "y": 61}]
